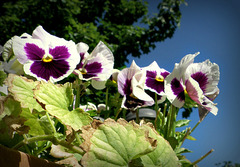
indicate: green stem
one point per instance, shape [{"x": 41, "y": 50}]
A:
[
  {"x": 195, "y": 127},
  {"x": 77, "y": 100},
  {"x": 33, "y": 139},
  {"x": 156, "y": 104},
  {"x": 49, "y": 144},
  {"x": 200, "y": 159},
  {"x": 118, "y": 112},
  {"x": 185, "y": 136},
  {"x": 50, "y": 121},
  {"x": 137, "y": 116},
  {"x": 77, "y": 138},
  {"x": 164, "y": 113},
  {"x": 106, "y": 100},
  {"x": 51, "y": 138},
  {"x": 155, "y": 121}
]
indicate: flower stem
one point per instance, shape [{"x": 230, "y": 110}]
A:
[
  {"x": 51, "y": 138},
  {"x": 50, "y": 121},
  {"x": 106, "y": 100},
  {"x": 137, "y": 116},
  {"x": 118, "y": 112},
  {"x": 77, "y": 100},
  {"x": 195, "y": 127},
  {"x": 200, "y": 159}
]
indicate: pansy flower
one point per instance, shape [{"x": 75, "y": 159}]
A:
[
  {"x": 96, "y": 66},
  {"x": 174, "y": 86},
  {"x": 44, "y": 56},
  {"x": 131, "y": 85},
  {"x": 155, "y": 77},
  {"x": 201, "y": 80}
]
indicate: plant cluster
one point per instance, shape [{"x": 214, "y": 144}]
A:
[{"x": 62, "y": 103}]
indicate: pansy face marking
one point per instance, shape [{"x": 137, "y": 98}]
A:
[
  {"x": 155, "y": 77},
  {"x": 98, "y": 65},
  {"x": 45, "y": 56}
]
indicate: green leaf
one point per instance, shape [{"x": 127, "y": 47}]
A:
[
  {"x": 163, "y": 155},
  {"x": 57, "y": 99},
  {"x": 114, "y": 143},
  {"x": 22, "y": 90},
  {"x": 182, "y": 122},
  {"x": 9, "y": 106},
  {"x": 37, "y": 126},
  {"x": 191, "y": 138},
  {"x": 3, "y": 76},
  {"x": 182, "y": 150}
]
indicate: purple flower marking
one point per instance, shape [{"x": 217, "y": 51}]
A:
[
  {"x": 177, "y": 89},
  {"x": 55, "y": 68},
  {"x": 202, "y": 80},
  {"x": 34, "y": 52},
  {"x": 152, "y": 83},
  {"x": 93, "y": 69},
  {"x": 127, "y": 87}
]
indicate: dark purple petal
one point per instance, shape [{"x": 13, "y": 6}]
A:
[
  {"x": 54, "y": 69},
  {"x": 154, "y": 84},
  {"x": 127, "y": 87},
  {"x": 34, "y": 52},
  {"x": 165, "y": 74},
  {"x": 151, "y": 74},
  {"x": 202, "y": 80},
  {"x": 131, "y": 103},
  {"x": 59, "y": 52},
  {"x": 92, "y": 69},
  {"x": 177, "y": 89}
]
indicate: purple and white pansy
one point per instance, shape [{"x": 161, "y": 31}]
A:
[
  {"x": 198, "y": 80},
  {"x": 96, "y": 66},
  {"x": 44, "y": 56},
  {"x": 174, "y": 86},
  {"x": 201, "y": 80},
  {"x": 155, "y": 77},
  {"x": 131, "y": 83}
]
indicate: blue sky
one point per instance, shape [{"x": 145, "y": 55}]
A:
[{"x": 212, "y": 28}]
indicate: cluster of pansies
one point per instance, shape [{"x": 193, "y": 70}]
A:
[
  {"x": 49, "y": 58},
  {"x": 52, "y": 60}
]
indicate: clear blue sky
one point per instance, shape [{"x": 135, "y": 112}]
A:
[{"x": 213, "y": 28}]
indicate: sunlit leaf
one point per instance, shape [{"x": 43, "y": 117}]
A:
[
  {"x": 163, "y": 155},
  {"x": 56, "y": 100},
  {"x": 22, "y": 90},
  {"x": 182, "y": 122},
  {"x": 114, "y": 143}
]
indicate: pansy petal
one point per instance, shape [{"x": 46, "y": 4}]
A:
[
  {"x": 102, "y": 68},
  {"x": 21, "y": 46},
  {"x": 99, "y": 85},
  {"x": 194, "y": 91},
  {"x": 206, "y": 74},
  {"x": 137, "y": 83},
  {"x": 82, "y": 48},
  {"x": 210, "y": 106},
  {"x": 174, "y": 90},
  {"x": 101, "y": 48},
  {"x": 124, "y": 84}
]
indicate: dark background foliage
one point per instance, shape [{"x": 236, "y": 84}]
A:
[{"x": 125, "y": 26}]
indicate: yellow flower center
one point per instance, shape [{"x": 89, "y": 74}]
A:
[
  {"x": 159, "y": 78},
  {"x": 83, "y": 71},
  {"x": 47, "y": 58}
]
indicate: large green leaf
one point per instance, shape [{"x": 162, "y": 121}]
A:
[
  {"x": 57, "y": 99},
  {"x": 38, "y": 126},
  {"x": 163, "y": 155},
  {"x": 8, "y": 106},
  {"x": 22, "y": 90},
  {"x": 114, "y": 143}
]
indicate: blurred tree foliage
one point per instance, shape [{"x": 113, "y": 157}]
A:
[{"x": 125, "y": 25}]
